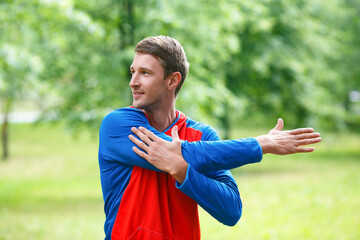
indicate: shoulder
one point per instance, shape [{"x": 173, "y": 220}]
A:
[
  {"x": 124, "y": 117},
  {"x": 208, "y": 132},
  {"x": 123, "y": 114}
]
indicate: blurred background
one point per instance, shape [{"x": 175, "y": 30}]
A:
[{"x": 64, "y": 64}]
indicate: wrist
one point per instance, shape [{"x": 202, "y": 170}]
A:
[
  {"x": 265, "y": 143},
  {"x": 179, "y": 172}
]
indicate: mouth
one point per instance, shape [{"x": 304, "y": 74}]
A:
[{"x": 137, "y": 94}]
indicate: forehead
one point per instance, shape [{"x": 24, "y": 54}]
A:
[{"x": 146, "y": 60}]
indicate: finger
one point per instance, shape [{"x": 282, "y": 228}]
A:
[
  {"x": 140, "y": 153},
  {"x": 149, "y": 134},
  {"x": 308, "y": 141},
  {"x": 301, "y": 131},
  {"x": 307, "y": 136},
  {"x": 280, "y": 124},
  {"x": 141, "y": 135},
  {"x": 139, "y": 143},
  {"x": 304, "y": 149},
  {"x": 175, "y": 134}
]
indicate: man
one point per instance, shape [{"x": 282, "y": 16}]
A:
[{"x": 153, "y": 194}]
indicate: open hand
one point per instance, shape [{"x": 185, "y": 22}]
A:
[
  {"x": 163, "y": 154},
  {"x": 288, "y": 142}
]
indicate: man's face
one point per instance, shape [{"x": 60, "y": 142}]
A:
[{"x": 147, "y": 82}]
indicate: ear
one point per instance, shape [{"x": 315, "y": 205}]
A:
[{"x": 174, "y": 80}]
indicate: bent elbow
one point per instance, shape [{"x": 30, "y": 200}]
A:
[
  {"x": 234, "y": 215},
  {"x": 233, "y": 220}
]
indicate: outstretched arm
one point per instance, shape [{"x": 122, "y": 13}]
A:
[
  {"x": 203, "y": 156},
  {"x": 220, "y": 154}
]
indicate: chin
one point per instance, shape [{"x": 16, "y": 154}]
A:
[
  {"x": 139, "y": 105},
  {"x": 143, "y": 106},
  {"x": 136, "y": 105}
]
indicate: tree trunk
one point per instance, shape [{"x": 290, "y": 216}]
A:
[
  {"x": 126, "y": 27},
  {"x": 4, "y": 136},
  {"x": 126, "y": 23},
  {"x": 5, "y": 128},
  {"x": 225, "y": 122}
]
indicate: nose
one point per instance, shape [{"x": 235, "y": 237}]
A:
[{"x": 134, "y": 82}]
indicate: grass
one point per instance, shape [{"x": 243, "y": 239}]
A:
[{"x": 50, "y": 189}]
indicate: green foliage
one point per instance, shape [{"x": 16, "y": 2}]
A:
[
  {"x": 295, "y": 59},
  {"x": 19, "y": 66},
  {"x": 287, "y": 65}
]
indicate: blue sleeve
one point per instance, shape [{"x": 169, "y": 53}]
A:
[
  {"x": 217, "y": 194},
  {"x": 203, "y": 156},
  {"x": 114, "y": 142},
  {"x": 209, "y": 156}
]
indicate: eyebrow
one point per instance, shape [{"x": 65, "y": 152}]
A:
[{"x": 142, "y": 69}]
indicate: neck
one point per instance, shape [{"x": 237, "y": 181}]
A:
[{"x": 162, "y": 118}]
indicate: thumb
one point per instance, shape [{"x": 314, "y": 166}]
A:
[
  {"x": 175, "y": 134},
  {"x": 280, "y": 124}
]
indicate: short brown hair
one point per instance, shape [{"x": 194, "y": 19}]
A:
[{"x": 169, "y": 52}]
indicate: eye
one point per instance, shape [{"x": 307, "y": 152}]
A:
[
  {"x": 145, "y": 73},
  {"x": 132, "y": 72}
]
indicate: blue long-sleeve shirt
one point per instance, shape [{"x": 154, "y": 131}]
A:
[{"x": 208, "y": 182}]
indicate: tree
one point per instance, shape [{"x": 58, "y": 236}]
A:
[
  {"x": 19, "y": 67},
  {"x": 289, "y": 60},
  {"x": 294, "y": 59},
  {"x": 20, "y": 70},
  {"x": 127, "y": 22},
  {"x": 273, "y": 57},
  {"x": 32, "y": 52}
]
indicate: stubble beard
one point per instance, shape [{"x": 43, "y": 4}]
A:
[
  {"x": 147, "y": 106},
  {"x": 148, "y": 102}
]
